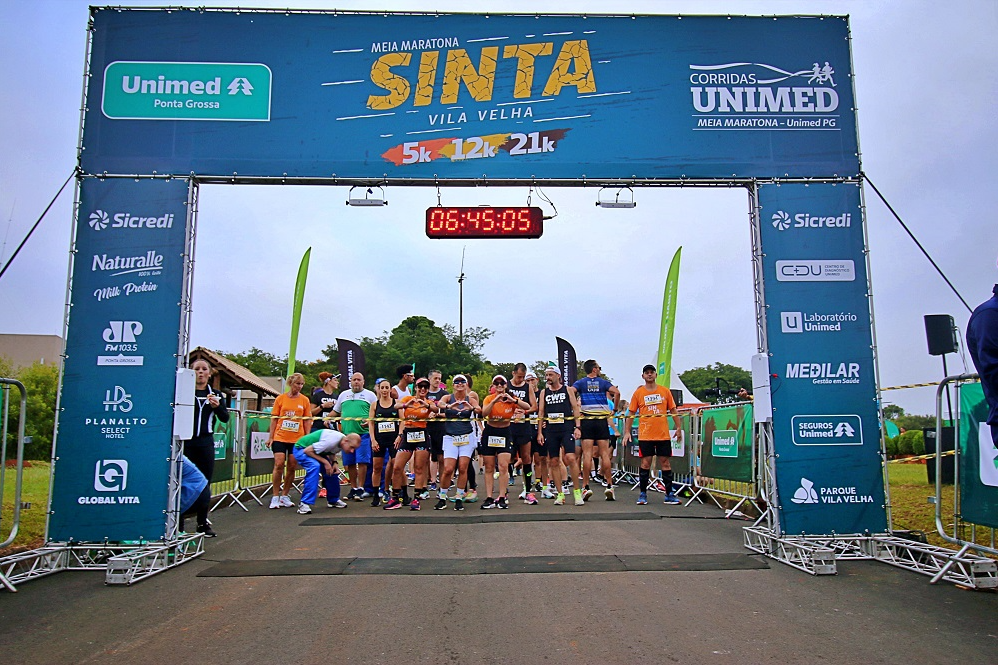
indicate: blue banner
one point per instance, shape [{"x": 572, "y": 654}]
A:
[
  {"x": 825, "y": 420},
  {"x": 377, "y": 96},
  {"x": 116, "y": 424}
]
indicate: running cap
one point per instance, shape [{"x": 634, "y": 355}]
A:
[
  {"x": 648, "y": 368},
  {"x": 378, "y": 382},
  {"x": 422, "y": 382},
  {"x": 529, "y": 375},
  {"x": 460, "y": 377},
  {"x": 498, "y": 377},
  {"x": 552, "y": 367}
]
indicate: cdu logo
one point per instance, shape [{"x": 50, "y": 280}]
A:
[{"x": 111, "y": 475}]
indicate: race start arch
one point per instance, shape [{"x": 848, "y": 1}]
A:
[{"x": 179, "y": 97}]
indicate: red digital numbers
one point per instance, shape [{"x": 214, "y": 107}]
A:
[{"x": 484, "y": 222}]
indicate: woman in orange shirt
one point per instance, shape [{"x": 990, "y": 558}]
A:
[
  {"x": 288, "y": 423},
  {"x": 496, "y": 445},
  {"x": 412, "y": 443}
]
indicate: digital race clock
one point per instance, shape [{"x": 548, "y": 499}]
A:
[{"x": 484, "y": 222}]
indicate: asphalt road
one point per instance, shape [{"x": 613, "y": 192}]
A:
[{"x": 745, "y": 609}]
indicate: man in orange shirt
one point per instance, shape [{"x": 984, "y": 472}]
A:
[
  {"x": 289, "y": 422},
  {"x": 651, "y": 402}
]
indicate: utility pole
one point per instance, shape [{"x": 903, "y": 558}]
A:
[{"x": 460, "y": 297}]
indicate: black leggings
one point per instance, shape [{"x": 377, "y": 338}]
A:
[
  {"x": 201, "y": 451},
  {"x": 200, "y": 508}
]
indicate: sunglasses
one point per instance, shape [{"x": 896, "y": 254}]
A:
[
  {"x": 498, "y": 383},
  {"x": 459, "y": 381}
]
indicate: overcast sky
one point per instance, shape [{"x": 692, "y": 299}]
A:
[{"x": 926, "y": 91}]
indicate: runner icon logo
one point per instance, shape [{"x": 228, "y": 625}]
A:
[{"x": 805, "y": 493}]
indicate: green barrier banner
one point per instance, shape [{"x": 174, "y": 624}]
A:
[
  {"x": 680, "y": 461},
  {"x": 259, "y": 457},
  {"x": 727, "y": 443},
  {"x": 978, "y": 459},
  {"x": 224, "y": 450}
]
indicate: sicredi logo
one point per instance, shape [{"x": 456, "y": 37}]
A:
[
  {"x": 825, "y": 373},
  {"x": 187, "y": 91},
  {"x": 816, "y": 270},
  {"x": 111, "y": 475},
  {"x": 802, "y": 220},
  {"x": 121, "y": 336},
  {"x": 834, "y": 430},
  {"x": 100, "y": 220},
  {"x": 810, "y": 322}
]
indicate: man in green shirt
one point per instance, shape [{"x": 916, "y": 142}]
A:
[{"x": 354, "y": 405}]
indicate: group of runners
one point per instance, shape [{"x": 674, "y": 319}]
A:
[{"x": 415, "y": 430}]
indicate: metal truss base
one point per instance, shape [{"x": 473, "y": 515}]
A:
[
  {"x": 818, "y": 555},
  {"x": 123, "y": 564}
]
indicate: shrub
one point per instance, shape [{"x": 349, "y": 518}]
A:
[
  {"x": 917, "y": 442},
  {"x": 891, "y": 445}
]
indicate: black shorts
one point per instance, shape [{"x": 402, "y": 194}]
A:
[
  {"x": 555, "y": 441},
  {"x": 494, "y": 435},
  {"x": 596, "y": 429},
  {"x": 279, "y": 447},
  {"x": 410, "y": 445},
  {"x": 436, "y": 436},
  {"x": 386, "y": 446},
  {"x": 652, "y": 448}
]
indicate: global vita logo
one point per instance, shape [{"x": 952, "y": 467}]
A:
[{"x": 99, "y": 220}]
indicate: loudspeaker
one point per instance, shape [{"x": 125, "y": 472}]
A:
[
  {"x": 677, "y": 396},
  {"x": 940, "y": 332},
  {"x": 949, "y": 466}
]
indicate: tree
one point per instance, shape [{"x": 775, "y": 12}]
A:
[
  {"x": 259, "y": 362},
  {"x": 420, "y": 341},
  {"x": 41, "y": 383},
  {"x": 700, "y": 380},
  {"x": 893, "y": 412}
]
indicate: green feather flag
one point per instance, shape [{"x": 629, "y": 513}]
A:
[
  {"x": 668, "y": 323},
  {"x": 296, "y": 312}
]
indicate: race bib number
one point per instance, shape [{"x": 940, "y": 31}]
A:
[
  {"x": 653, "y": 399},
  {"x": 533, "y": 418},
  {"x": 419, "y": 436},
  {"x": 386, "y": 427},
  {"x": 497, "y": 442},
  {"x": 461, "y": 439},
  {"x": 556, "y": 418},
  {"x": 290, "y": 425}
]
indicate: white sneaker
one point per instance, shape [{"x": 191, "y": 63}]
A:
[
  {"x": 286, "y": 501},
  {"x": 340, "y": 503},
  {"x": 304, "y": 509},
  {"x": 523, "y": 495},
  {"x": 608, "y": 492},
  {"x": 275, "y": 502}
]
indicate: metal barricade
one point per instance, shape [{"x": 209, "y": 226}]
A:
[
  {"x": 628, "y": 460},
  {"x": 15, "y": 519},
  {"x": 255, "y": 460},
  {"x": 726, "y": 457},
  {"x": 974, "y": 494}
]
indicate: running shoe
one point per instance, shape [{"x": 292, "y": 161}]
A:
[
  {"x": 357, "y": 494},
  {"x": 560, "y": 499},
  {"x": 414, "y": 505},
  {"x": 495, "y": 475},
  {"x": 471, "y": 496},
  {"x": 424, "y": 495},
  {"x": 364, "y": 494},
  {"x": 206, "y": 530},
  {"x": 304, "y": 509},
  {"x": 643, "y": 499},
  {"x": 394, "y": 504},
  {"x": 458, "y": 504},
  {"x": 538, "y": 486},
  {"x": 286, "y": 501},
  {"x": 608, "y": 493},
  {"x": 586, "y": 494},
  {"x": 410, "y": 476},
  {"x": 502, "y": 503},
  {"x": 548, "y": 494},
  {"x": 579, "y": 501},
  {"x": 512, "y": 481},
  {"x": 322, "y": 493},
  {"x": 339, "y": 503},
  {"x": 523, "y": 495},
  {"x": 530, "y": 499},
  {"x": 432, "y": 487},
  {"x": 441, "y": 504},
  {"x": 488, "y": 504},
  {"x": 376, "y": 501},
  {"x": 352, "y": 494},
  {"x": 275, "y": 502},
  {"x": 671, "y": 498}
]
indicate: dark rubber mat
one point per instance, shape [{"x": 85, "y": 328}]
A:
[
  {"x": 493, "y": 566},
  {"x": 470, "y": 517}
]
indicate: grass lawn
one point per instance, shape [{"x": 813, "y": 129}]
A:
[{"x": 35, "y": 491}]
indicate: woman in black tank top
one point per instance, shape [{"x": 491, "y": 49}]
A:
[{"x": 384, "y": 434}]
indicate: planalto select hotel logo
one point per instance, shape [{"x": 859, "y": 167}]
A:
[{"x": 187, "y": 91}]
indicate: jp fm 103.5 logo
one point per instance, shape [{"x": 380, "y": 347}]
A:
[
  {"x": 121, "y": 336},
  {"x": 100, "y": 220}
]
